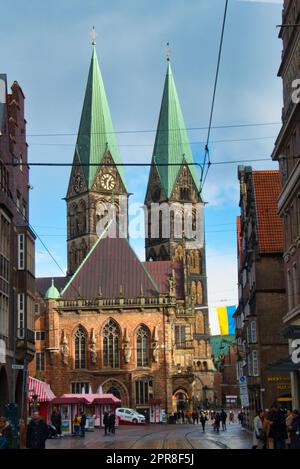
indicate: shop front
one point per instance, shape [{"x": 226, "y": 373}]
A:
[
  {"x": 40, "y": 396},
  {"x": 93, "y": 405}
]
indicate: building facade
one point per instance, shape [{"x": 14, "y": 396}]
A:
[
  {"x": 262, "y": 295},
  {"x": 17, "y": 257},
  {"x": 287, "y": 152},
  {"x": 137, "y": 329}
]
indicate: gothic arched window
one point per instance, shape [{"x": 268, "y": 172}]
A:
[
  {"x": 111, "y": 345},
  {"x": 82, "y": 217},
  {"x": 80, "y": 348},
  {"x": 142, "y": 346}
]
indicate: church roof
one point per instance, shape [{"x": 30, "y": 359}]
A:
[
  {"x": 110, "y": 267},
  {"x": 171, "y": 142},
  {"x": 96, "y": 133},
  {"x": 161, "y": 271},
  {"x": 42, "y": 283}
]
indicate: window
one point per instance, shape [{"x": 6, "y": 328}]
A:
[
  {"x": 255, "y": 369},
  {"x": 111, "y": 345},
  {"x": 21, "y": 316},
  {"x": 21, "y": 163},
  {"x": 142, "y": 346},
  {"x": 21, "y": 251},
  {"x": 80, "y": 349},
  {"x": 40, "y": 335},
  {"x": 143, "y": 391},
  {"x": 253, "y": 332},
  {"x": 180, "y": 336},
  {"x": 40, "y": 361},
  {"x": 37, "y": 309},
  {"x": 80, "y": 388}
]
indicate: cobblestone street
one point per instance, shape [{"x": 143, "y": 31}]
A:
[{"x": 159, "y": 437}]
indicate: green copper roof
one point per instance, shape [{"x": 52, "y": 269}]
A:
[
  {"x": 52, "y": 293},
  {"x": 171, "y": 143},
  {"x": 96, "y": 133}
]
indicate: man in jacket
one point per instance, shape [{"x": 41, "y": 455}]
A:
[
  {"x": 106, "y": 422},
  {"x": 112, "y": 423},
  {"x": 82, "y": 424},
  {"x": 6, "y": 436},
  {"x": 295, "y": 430},
  {"x": 37, "y": 432},
  {"x": 278, "y": 429}
]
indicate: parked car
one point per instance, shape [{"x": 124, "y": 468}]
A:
[{"x": 129, "y": 415}]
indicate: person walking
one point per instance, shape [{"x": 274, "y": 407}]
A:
[
  {"x": 82, "y": 424},
  {"x": 112, "y": 423},
  {"x": 217, "y": 422},
  {"x": 6, "y": 436},
  {"x": 289, "y": 421},
  {"x": 223, "y": 417},
  {"x": 194, "y": 417},
  {"x": 106, "y": 423},
  {"x": 76, "y": 424},
  {"x": 278, "y": 430},
  {"x": 197, "y": 417},
  {"x": 295, "y": 430},
  {"x": 203, "y": 420},
  {"x": 231, "y": 417},
  {"x": 259, "y": 436},
  {"x": 37, "y": 432}
]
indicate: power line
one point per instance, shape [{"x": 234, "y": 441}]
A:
[
  {"x": 206, "y": 154},
  {"x": 246, "y": 160},
  {"x": 133, "y": 145},
  {"x": 137, "y": 131}
]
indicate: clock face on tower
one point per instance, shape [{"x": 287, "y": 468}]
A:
[
  {"x": 107, "y": 181},
  {"x": 78, "y": 183}
]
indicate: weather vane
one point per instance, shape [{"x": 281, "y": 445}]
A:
[
  {"x": 93, "y": 36},
  {"x": 168, "y": 52}
]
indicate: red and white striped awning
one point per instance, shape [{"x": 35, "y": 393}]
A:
[{"x": 40, "y": 389}]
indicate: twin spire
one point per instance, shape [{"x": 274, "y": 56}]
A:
[{"x": 96, "y": 134}]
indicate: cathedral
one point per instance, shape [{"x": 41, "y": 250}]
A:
[{"x": 115, "y": 324}]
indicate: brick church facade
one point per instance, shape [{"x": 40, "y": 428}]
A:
[{"x": 137, "y": 329}]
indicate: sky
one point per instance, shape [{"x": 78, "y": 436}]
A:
[{"x": 46, "y": 47}]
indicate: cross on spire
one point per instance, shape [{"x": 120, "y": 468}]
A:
[
  {"x": 93, "y": 35},
  {"x": 168, "y": 52}
]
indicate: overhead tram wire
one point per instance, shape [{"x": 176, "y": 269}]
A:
[
  {"x": 215, "y": 163},
  {"x": 206, "y": 153}
]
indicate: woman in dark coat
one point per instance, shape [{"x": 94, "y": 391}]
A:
[
  {"x": 37, "y": 432},
  {"x": 6, "y": 436},
  {"x": 295, "y": 430}
]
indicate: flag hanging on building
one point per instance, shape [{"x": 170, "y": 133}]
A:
[{"x": 226, "y": 319}]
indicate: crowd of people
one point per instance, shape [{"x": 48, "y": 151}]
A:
[
  {"x": 276, "y": 429},
  {"x": 218, "y": 419}
]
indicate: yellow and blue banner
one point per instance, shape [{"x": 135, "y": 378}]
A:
[{"x": 226, "y": 319}]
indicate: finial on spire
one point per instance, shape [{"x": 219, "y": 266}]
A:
[
  {"x": 93, "y": 36},
  {"x": 168, "y": 52}
]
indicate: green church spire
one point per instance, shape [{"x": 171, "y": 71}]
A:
[
  {"x": 171, "y": 144},
  {"x": 96, "y": 133}
]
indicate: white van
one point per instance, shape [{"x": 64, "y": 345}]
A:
[{"x": 129, "y": 415}]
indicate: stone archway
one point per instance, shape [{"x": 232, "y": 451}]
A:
[
  {"x": 180, "y": 400},
  {"x": 4, "y": 392},
  {"x": 115, "y": 387}
]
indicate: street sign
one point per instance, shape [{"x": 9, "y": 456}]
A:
[
  {"x": 244, "y": 396},
  {"x": 17, "y": 367},
  {"x": 243, "y": 380}
]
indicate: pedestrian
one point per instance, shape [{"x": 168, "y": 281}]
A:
[
  {"x": 217, "y": 422},
  {"x": 289, "y": 421},
  {"x": 82, "y": 424},
  {"x": 197, "y": 417},
  {"x": 37, "y": 432},
  {"x": 223, "y": 417},
  {"x": 76, "y": 424},
  {"x": 203, "y": 420},
  {"x": 56, "y": 421},
  {"x": 295, "y": 430},
  {"x": 259, "y": 435},
  {"x": 278, "y": 430},
  {"x": 106, "y": 422},
  {"x": 6, "y": 436},
  {"x": 175, "y": 417},
  {"x": 194, "y": 417},
  {"x": 231, "y": 417},
  {"x": 112, "y": 422}
]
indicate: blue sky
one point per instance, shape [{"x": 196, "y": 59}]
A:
[{"x": 48, "y": 51}]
